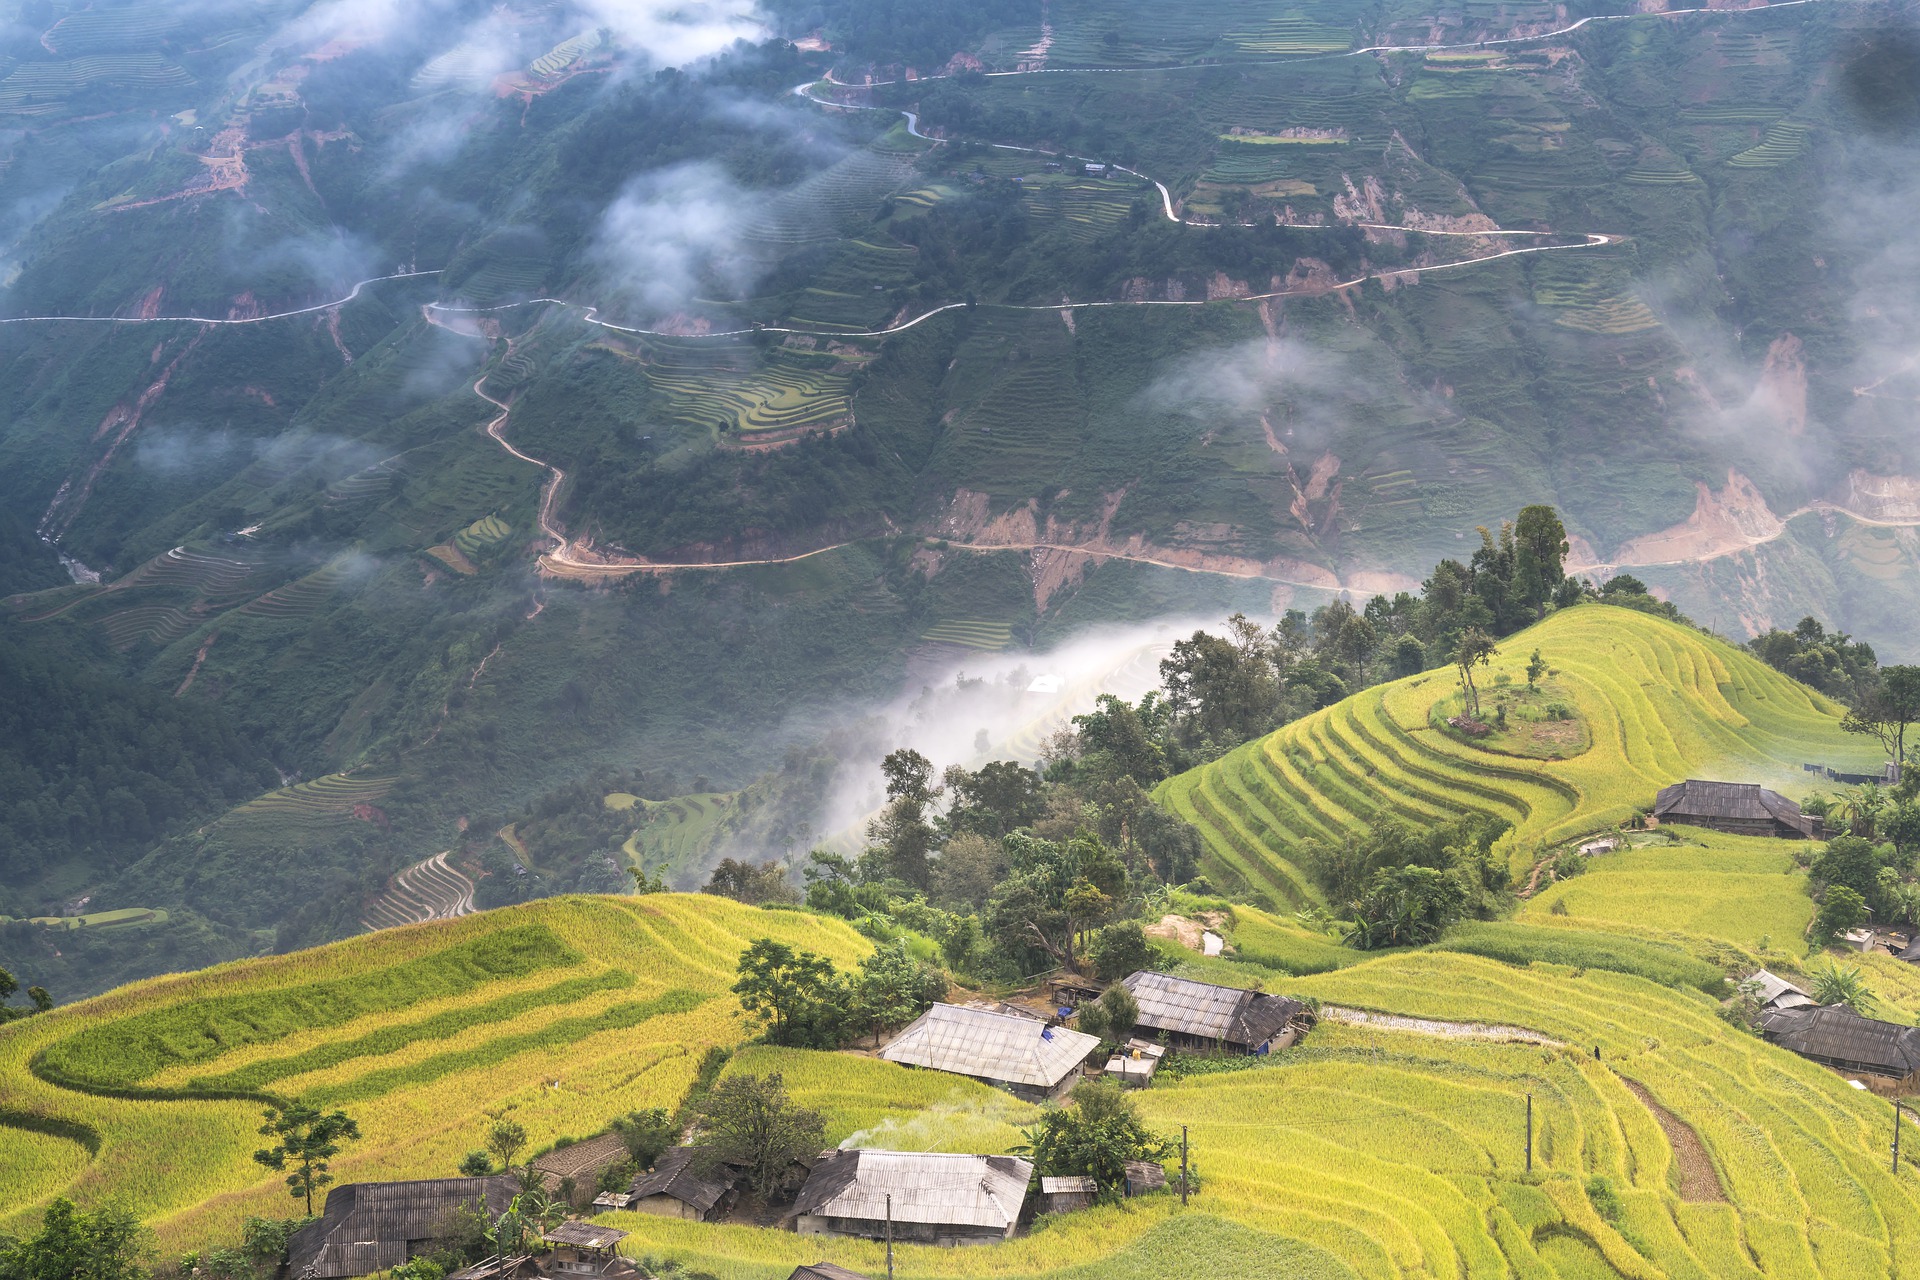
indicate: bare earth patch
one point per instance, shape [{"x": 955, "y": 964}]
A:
[{"x": 1699, "y": 1180}]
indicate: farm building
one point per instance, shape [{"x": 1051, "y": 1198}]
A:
[
  {"x": 1144, "y": 1177},
  {"x": 1912, "y": 954},
  {"x": 825, "y": 1271},
  {"x": 1063, "y": 1195},
  {"x": 1838, "y": 1037},
  {"x": 935, "y": 1199},
  {"x": 1026, "y": 1057},
  {"x": 1740, "y": 808},
  {"x": 1777, "y": 993},
  {"x": 1198, "y": 1016},
  {"x": 674, "y": 1190},
  {"x": 1134, "y": 1063},
  {"x": 583, "y": 1249},
  {"x": 373, "y": 1226}
]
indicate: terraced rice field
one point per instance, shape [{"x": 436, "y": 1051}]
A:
[
  {"x": 1741, "y": 890},
  {"x": 34, "y": 88},
  {"x": 1661, "y": 701},
  {"x": 1213, "y": 29},
  {"x": 1371, "y": 1152},
  {"x": 565, "y": 1012},
  {"x": 1786, "y": 140},
  {"x": 974, "y": 635},
  {"x": 1092, "y": 208},
  {"x": 733, "y": 390},
  {"x": 432, "y": 889},
  {"x": 677, "y": 834},
  {"x": 302, "y": 597},
  {"x": 310, "y": 807}
]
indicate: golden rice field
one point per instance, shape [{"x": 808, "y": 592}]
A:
[
  {"x": 1661, "y": 702},
  {"x": 1381, "y": 1153},
  {"x": 568, "y": 1011}
]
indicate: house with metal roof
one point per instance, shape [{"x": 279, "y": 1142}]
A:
[
  {"x": 674, "y": 1190},
  {"x": 1740, "y": 808},
  {"x": 1025, "y": 1057},
  {"x": 1199, "y": 1016},
  {"x": 374, "y": 1226},
  {"x": 1838, "y": 1037},
  {"x": 1775, "y": 992},
  {"x": 1063, "y": 1195},
  {"x": 825, "y": 1271},
  {"x": 924, "y": 1197}
]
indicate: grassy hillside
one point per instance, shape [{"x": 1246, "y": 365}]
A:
[
  {"x": 1382, "y": 1153},
  {"x": 1657, "y": 702},
  {"x": 568, "y": 1012}
]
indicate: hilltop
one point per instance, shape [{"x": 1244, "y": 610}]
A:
[{"x": 1645, "y": 702}]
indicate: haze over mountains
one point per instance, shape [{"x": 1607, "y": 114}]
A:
[{"x": 1019, "y": 319}]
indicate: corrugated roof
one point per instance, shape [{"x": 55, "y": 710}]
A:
[
  {"x": 366, "y": 1226},
  {"x": 1069, "y": 1185},
  {"x": 825, "y": 1271},
  {"x": 1734, "y": 801},
  {"x": 1912, "y": 953},
  {"x": 949, "y": 1190},
  {"x": 1201, "y": 1009},
  {"x": 1838, "y": 1034},
  {"x": 673, "y": 1175},
  {"x": 1772, "y": 986},
  {"x": 585, "y": 1235},
  {"x": 991, "y": 1046}
]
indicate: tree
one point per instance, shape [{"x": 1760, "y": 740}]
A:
[
  {"x": 1095, "y": 1137},
  {"x": 889, "y": 990},
  {"x": 307, "y": 1141},
  {"x": 750, "y": 883},
  {"x": 505, "y": 1140},
  {"x": 1536, "y": 667},
  {"x": 902, "y": 835},
  {"x": 1001, "y": 797},
  {"x": 1112, "y": 1016},
  {"x": 1119, "y": 949},
  {"x": 748, "y": 1121},
  {"x": 1848, "y": 986},
  {"x": 38, "y": 995},
  {"x": 1841, "y": 909},
  {"x": 1888, "y": 709},
  {"x": 968, "y": 870},
  {"x": 1054, "y": 890},
  {"x": 1849, "y": 861},
  {"x": 1476, "y": 650},
  {"x": 647, "y": 1134},
  {"x": 787, "y": 988},
  {"x": 1540, "y": 550},
  {"x": 476, "y": 1164},
  {"x": 77, "y": 1244},
  {"x": 1407, "y": 907}
]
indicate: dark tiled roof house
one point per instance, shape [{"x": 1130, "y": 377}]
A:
[
  {"x": 1738, "y": 808},
  {"x": 373, "y": 1226}
]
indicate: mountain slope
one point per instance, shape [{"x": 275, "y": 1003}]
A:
[{"x": 1657, "y": 701}]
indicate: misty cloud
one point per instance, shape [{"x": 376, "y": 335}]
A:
[
  {"x": 674, "y": 234},
  {"x": 1306, "y": 392}
]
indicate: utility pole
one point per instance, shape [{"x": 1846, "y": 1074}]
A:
[
  {"x": 1183, "y": 1165},
  {"x": 1529, "y": 1133},
  {"x": 889, "y": 1237}
]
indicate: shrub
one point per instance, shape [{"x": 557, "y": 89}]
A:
[{"x": 1118, "y": 950}]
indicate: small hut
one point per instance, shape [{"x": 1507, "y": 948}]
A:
[
  {"x": 1029, "y": 1059},
  {"x": 921, "y": 1197},
  {"x": 674, "y": 1190},
  {"x": 1199, "y": 1016},
  {"x": 1144, "y": 1177},
  {"x": 583, "y": 1249},
  {"x": 825, "y": 1271},
  {"x": 1836, "y": 1036},
  {"x": 1134, "y": 1063},
  {"x": 1738, "y": 808},
  {"x": 1063, "y": 1195},
  {"x": 1776, "y": 992},
  {"x": 374, "y": 1226}
]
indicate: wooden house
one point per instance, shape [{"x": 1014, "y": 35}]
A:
[
  {"x": 1739, "y": 808},
  {"x": 674, "y": 1190},
  {"x": 1838, "y": 1037},
  {"x": 1777, "y": 993},
  {"x": 825, "y": 1271},
  {"x": 1200, "y": 1017},
  {"x": 1026, "y": 1057},
  {"x": 921, "y": 1197},
  {"x": 584, "y": 1249},
  {"x": 1063, "y": 1195},
  {"x": 374, "y": 1226}
]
